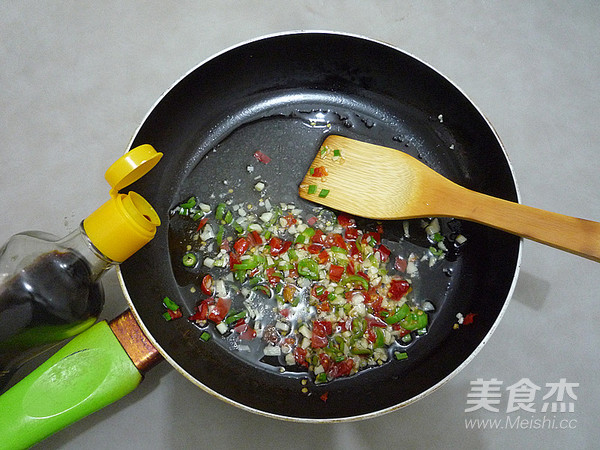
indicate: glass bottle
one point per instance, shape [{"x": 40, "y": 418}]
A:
[{"x": 50, "y": 288}]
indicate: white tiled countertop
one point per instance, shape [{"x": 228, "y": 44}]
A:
[{"x": 76, "y": 80}]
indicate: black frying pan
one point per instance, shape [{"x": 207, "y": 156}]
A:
[{"x": 275, "y": 94}]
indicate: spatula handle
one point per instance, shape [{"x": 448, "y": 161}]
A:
[
  {"x": 571, "y": 234},
  {"x": 88, "y": 373}
]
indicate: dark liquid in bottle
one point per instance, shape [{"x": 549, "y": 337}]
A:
[{"x": 56, "y": 289}]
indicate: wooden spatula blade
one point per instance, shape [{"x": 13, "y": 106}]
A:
[
  {"x": 382, "y": 183},
  {"x": 362, "y": 179}
]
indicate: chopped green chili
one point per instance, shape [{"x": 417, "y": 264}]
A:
[
  {"x": 339, "y": 250},
  {"x": 358, "y": 328},
  {"x": 247, "y": 264},
  {"x": 220, "y": 235},
  {"x": 235, "y": 317},
  {"x": 189, "y": 204},
  {"x": 400, "y": 355},
  {"x": 254, "y": 281},
  {"x": 360, "y": 351},
  {"x": 220, "y": 212},
  {"x": 305, "y": 236},
  {"x": 284, "y": 265},
  {"x": 262, "y": 288},
  {"x": 359, "y": 244},
  {"x": 205, "y": 336},
  {"x": 308, "y": 268},
  {"x": 437, "y": 237},
  {"x": 414, "y": 321},
  {"x": 170, "y": 304},
  {"x": 292, "y": 254},
  {"x": 356, "y": 279},
  {"x": 339, "y": 358},
  {"x": 436, "y": 251},
  {"x": 324, "y": 193},
  {"x": 379, "y": 340},
  {"x": 400, "y": 314},
  {"x": 276, "y": 215},
  {"x": 189, "y": 259},
  {"x": 309, "y": 232},
  {"x": 240, "y": 275},
  {"x": 312, "y": 189}
]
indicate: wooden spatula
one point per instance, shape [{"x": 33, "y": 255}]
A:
[{"x": 382, "y": 183}]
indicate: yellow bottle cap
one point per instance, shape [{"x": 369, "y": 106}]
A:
[{"x": 126, "y": 222}]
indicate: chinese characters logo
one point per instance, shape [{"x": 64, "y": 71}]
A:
[{"x": 524, "y": 397}]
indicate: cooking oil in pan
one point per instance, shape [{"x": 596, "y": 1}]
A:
[{"x": 229, "y": 173}]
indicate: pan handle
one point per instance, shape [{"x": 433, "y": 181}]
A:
[{"x": 87, "y": 374}]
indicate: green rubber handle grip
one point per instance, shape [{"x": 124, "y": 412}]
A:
[{"x": 88, "y": 373}]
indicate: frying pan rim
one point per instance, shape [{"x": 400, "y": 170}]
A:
[{"x": 373, "y": 414}]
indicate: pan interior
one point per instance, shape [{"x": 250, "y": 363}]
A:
[
  {"x": 210, "y": 124},
  {"x": 287, "y": 133}
]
